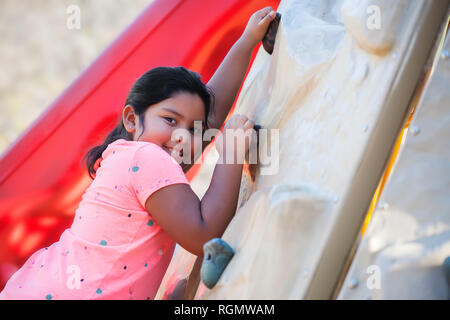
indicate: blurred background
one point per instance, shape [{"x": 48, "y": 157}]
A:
[{"x": 40, "y": 55}]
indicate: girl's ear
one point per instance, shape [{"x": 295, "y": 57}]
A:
[{"x": 129, "y": 118}]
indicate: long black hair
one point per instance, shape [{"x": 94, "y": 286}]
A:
[{"x": 151, "y": 88}]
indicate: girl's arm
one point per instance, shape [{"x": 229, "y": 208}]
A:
[
  {"x": 228, "y": 78},
  {"x": 191, "y": 222}
]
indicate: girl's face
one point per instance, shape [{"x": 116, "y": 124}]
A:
[{"x": 163, "y": 118}]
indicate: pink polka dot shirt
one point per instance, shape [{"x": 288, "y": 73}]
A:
[{"x": 114, "y": 249}]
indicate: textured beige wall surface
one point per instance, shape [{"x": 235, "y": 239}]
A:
[{"x": 408, "y": 238}]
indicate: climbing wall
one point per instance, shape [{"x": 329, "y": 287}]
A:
[
  {"x": 408, "y": 238},
  {"x": 333, "y": 95}
]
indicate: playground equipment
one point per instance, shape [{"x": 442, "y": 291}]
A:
[
  {"x": 357, "y": 205},
  {"x": 42, "y": 177}
]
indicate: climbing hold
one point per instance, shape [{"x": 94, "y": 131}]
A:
[
  {"x": 268, "y": 41},
  {"x": 252, "y": 165},
  {"x": 217, "y": 255},
  {"x": 257, "y": 127}
]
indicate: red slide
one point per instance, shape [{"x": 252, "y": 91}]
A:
[{"x": 42, "y": 176}]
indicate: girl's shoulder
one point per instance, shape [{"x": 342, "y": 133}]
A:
[
  {"x": 148, "y": 151},
  {"x": 130, "y": 147},
  {"x": 139, "y": 151},
  {"x": 128, "y": 143},
  {"x": 132, "y": 143}
]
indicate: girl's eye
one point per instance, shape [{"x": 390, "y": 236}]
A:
[{"x": 169, "y": 119}]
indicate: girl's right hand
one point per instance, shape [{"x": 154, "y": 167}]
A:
[{"x": 236, "y": 130}]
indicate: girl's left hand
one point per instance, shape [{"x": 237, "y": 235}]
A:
[{"x": 257, "y": 25}]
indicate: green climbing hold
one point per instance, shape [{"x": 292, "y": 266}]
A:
[{"x": 217, "y": 255}]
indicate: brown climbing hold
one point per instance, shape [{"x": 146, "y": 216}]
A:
[{"x": 268, "y": 41}]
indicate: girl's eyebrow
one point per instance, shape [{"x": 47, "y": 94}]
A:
[{"x": 174, "y": 112}]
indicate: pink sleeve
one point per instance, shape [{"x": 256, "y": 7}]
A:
[{"x": 152, "y": 169}]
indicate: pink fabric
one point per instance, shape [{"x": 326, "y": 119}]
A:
[{"x": 114, "y": 249}]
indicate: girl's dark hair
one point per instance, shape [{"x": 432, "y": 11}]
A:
[{"x": 153, "y": 87}]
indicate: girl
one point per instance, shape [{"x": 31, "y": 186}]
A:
[{"x": 140, "y": 203}]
